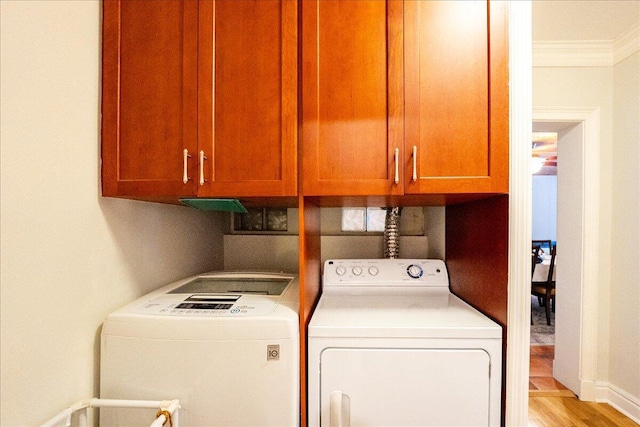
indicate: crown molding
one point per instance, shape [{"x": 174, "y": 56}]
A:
[
  {"x": 587, "y": 53},
  {"x": 573, "y": 54},
  {"x": 626, "y": 44}
]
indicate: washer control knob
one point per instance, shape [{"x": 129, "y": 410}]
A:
[
  {"x": 414, "y": 271},
  {"x": 356, "y": 271},
  {"x": 373, "y": 271},
  {"x": 340, "y": 270}
]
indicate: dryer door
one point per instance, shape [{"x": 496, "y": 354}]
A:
[{"x": 404, "y": 387}]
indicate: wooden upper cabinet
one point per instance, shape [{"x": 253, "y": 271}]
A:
[
  {"x": 380, "y": 76},
  {"x": 351, "y": 97},
  {"x": 247, "y": 93},
  {"x": 215, "y": 78},
  {"x": 149, "y": 96},
  {"x": 456, "y": 97}
]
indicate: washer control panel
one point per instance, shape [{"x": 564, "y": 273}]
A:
[
  {"x": 211, "y": 306},
  {"x": 385, "y": 272}
]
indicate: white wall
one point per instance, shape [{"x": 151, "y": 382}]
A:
[
  {"x": 544, "y": 207},
  {"x": 68, "y": 256},
  {"x": 624, "y": 364}
]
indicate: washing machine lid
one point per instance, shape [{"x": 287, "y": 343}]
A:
[
  {"x": 228, "y": 284},
  {"x": 426, "y": 314},
  {"x": 248, "y": 306}
]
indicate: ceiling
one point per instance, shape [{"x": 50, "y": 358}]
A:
[
  {"x": 544, "y": 152},
  {"x": 572, "y": 20}
]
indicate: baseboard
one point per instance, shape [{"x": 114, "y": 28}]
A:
[
  {"x": 623, "y": 401},
  {"x": 587, "y": 391}
]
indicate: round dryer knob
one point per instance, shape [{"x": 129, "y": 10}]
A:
[
  {"x": 356, "y": 271},
  {"x": 414, "y": 271},
  {"x": 340, "y": 270},
  {"x": 373, "y": 271}
]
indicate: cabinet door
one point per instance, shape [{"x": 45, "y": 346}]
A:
[
  {"x": 149, "y": 98},
  {"x": 351, "y": 97},
  {"x": 248, "y": 98},
  {"x": 456, "y": 97}
]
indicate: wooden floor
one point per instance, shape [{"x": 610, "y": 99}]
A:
[
  {"x": 551, "y": 404},
  {"x": 541, "y": 382}
]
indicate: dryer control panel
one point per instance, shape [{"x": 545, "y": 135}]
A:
[{"x": 431, "y": 273}]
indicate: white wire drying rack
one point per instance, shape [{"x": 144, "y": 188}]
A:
[{"x": 167, "y": 411}]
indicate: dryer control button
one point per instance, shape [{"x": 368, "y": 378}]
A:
[
  {"x": 340, "y": 270},
  {"x": 356, "y": 271},
  {"x": 414, "y": 271},
  {"x": 373, "y": 271}
]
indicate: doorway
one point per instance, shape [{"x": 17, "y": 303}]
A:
[{"x": 574, "y": 362}]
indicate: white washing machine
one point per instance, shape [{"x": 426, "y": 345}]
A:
[
  {"x": 390, "y": 345},
  {"x": 225, "y": 344}
]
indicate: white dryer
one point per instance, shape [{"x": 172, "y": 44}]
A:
[
  {"x": 390, "y": 345},
  {"x": 225, "y": 344}
]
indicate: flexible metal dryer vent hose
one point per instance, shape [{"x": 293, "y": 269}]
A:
[{"x": 392, "y": 233}]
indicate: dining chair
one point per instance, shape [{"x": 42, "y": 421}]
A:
[
  {"x": 541, "y": 244},
  {"x": 546, "y": 290},
  {"x": 537, "y": 249},
  {"x": 536, "y": 258}
]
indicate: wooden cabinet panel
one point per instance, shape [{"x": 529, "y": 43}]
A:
[
  {"x": 248, "y": 97},
  {"x": 477, "y": 254},
  {"x": 149, "y": 106},
  {"x": 217, "y": 77},
  {"x": 384, "y": 75},
  {"x": 351, "y": 95},
  {"x": 456, "y": 97}
]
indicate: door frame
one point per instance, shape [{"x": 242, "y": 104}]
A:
[
  {"x": 590, "y": 120},
  {"x": 519, "y": 287}
]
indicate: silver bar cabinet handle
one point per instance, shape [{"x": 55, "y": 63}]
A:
[
  {"x": 185, "y": 156},
  {"x": 202, "y": 159},
  {"x": 396, "y": 155},
  {"x": 415, "y": 169}
]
